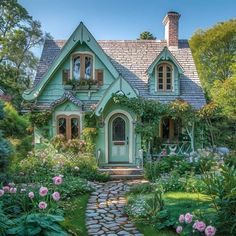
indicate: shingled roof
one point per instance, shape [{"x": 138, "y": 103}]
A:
[{"x": 132, "y": 58}]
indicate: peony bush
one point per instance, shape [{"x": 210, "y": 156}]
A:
[
  {"x": 33, "y": 205},
  {"x": 191, "y": 226}
]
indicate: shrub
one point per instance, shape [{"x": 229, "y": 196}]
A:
[
  {"x": 37, "y": 224},
  {"x": 141, "y": 188},
  {"x": 186, "y": 183},
  {"x": 221, "y": 187},
  {"x": 5, "y": 152},
  {"x": 178, "y": 164},
  {"x": 13, "y": 124},
  {"x": 43, "y": 163},
  {"x": 150, "y": 210}
]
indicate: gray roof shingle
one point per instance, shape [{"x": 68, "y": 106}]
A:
[{"x": 132, "y": 58}]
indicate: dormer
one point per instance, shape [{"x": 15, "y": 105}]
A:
[{"x": 164, "y": 74}]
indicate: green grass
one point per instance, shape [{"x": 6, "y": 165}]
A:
[
  {"x": 75, "y": 215},
  {"x": 177, "y": 203},
  {"x": 150, "y": 231},
  {"x": 181, "y": 202}
]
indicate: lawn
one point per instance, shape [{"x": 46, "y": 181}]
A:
[
  {"x": 75, "y": 215},
  {"x": 177, "y": 203}
]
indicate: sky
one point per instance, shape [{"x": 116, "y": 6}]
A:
[{"x": 126, "y": 19}]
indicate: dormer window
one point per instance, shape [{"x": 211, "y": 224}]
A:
[
  {"x": 164, "y": 77},
  {"x": 82, "y": 66}
]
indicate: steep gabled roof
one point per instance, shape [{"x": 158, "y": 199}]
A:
[
  {"x": 80, "y": 35},
  {"x": 165, "y": 55},
  {"x": 132, "y": 58}
]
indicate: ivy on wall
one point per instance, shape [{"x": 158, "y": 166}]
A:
[
  {"x": 40, "y": 118},
  {"x": 150, "y": 112}
]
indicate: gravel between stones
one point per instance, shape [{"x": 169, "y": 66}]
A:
[{"x": 105, "y": 214}]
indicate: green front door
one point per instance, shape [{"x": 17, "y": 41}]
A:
[{"x": 118, "y": 139}]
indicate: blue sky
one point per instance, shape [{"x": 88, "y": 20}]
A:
[{"x": 126, "y": 19}]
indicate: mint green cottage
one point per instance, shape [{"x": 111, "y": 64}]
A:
[{"x": 161, "y": 70}]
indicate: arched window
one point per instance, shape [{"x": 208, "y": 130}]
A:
[
  {"x": 164, "y": 77},
  {"x": 118, "y": 129},
  {"x": 69, "y": 126},
  {"x": 82, "y": 66}
]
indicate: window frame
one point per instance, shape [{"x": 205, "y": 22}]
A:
[
  {"x": 164, "y": 78},
  {"x": 68, "y": 125},
  {"x": 82, "y": 68}
]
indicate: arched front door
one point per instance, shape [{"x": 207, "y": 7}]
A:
[{"x": 118, "y": 139}]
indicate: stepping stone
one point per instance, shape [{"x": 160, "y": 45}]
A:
[{"x": 105, "y": 214}]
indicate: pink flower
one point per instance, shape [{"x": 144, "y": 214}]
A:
[
  {"x": 13, "y": 190},
  {"x": 210, "y": 230},
  {"x": 42, "y": 205},
  {"x": 181, "y": 218},
  {"x": 31, "y": 195},
  {"x": 57, "y": 180},
  {"x": 199, "y": 225},
  {"x": 43, "y": 191},
  {"x": 188, "y": 218},
  {"x": 1, "y": 192},
  {"x": 179, "y": 229},
  {"x": 56, "y": 196},
  {"x": 6, "y": 189}
]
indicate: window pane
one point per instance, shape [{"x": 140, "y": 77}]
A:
[
  {"x": 160, "y": 68},
  {"x": 160, "y": 86},
  {"x": 168, "y": 87},
  {"x": 165, "y": 128},
  {"x": 88, "y": 67},
  {"x": 168, "y": 68},
  {"x": 76, "y": 67},
  {"x": 118, "y": 129},
  {"x": 62, "y": 126},
  {"x": 168, "y": 81},
  {"x": 160, "y": 75},
  {"x": 168, "y": 75},
  {"x": 74, "y": 128}
]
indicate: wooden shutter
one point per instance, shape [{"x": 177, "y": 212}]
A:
[
  {"x": 99, "y": 76},
  {"x": 65, "y": 76}
]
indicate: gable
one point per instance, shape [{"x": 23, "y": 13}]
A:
[
  {"x": 165, "y": 55},
  {"x": 80, "y": 36}
]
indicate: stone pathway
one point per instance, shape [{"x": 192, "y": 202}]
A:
[{"x": 105, "y": 210}]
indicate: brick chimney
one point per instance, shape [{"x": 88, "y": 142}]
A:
[{"x": 171, "y": 23}]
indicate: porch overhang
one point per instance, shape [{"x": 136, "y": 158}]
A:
[{"x": 119, "y": 86}]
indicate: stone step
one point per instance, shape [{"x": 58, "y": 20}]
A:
[
  {"x": 122, "y": 171},
  {"x": 125, "y": 177}
]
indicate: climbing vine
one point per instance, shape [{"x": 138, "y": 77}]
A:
[
  {"x": 150, "y": 112},
  {"x": 40, "y": 118}
]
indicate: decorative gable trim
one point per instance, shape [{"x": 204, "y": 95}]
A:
[
  {"x": 119, "y": 86},
  {"x": 165, "y": 55},
  {"x": 80, "y": 35},
  {"x": 67, "y": 96}
]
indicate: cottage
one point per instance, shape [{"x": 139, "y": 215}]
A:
[{"x": 161, "y": 70}]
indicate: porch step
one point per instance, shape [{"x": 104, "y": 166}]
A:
[
  {"x": 123, "y": 172},
  {"x": 125, "y": 177}
]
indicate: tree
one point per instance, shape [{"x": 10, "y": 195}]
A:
[
  {"x": 224, "y": 94},
  {"x": 214, "y": 53},
  {"x": 146, "y": 35},
  {"x": 19, "y": 34}
]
